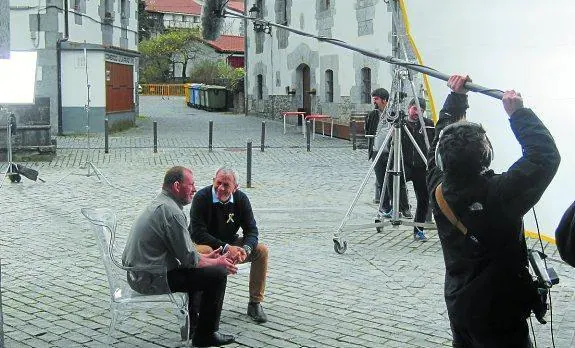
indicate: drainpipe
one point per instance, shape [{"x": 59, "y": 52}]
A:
[
  {"x": 245, "y": 60},
  {"x": 59, "y": 66}
]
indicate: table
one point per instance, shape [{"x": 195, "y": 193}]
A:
[
  {"x": 321, "y": 118},
  {"x": 295, "y": 113}
]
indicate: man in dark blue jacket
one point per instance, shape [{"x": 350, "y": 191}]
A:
[
  {"x": 479, "y": 214},
  {"x": 217, "y": 213}
]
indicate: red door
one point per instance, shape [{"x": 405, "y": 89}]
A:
[{"x": 119, "y": 87}]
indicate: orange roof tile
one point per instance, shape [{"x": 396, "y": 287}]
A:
[
  {"x": 236, "y": 5},
  {"x": 189, "y": 7},
  {"x": 228, "y": 44}
]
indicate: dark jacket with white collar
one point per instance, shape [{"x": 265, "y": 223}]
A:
[{"x": 217, "y": 224}]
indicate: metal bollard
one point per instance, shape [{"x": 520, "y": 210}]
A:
[
  {"x": 263, "y": 142},
  {"x": 249, "y": 164},
  {"x": 308, "y": 135},
  {"x": 1, "y": 317},
  {"x": 106, "y": 143},
  {"x": 155, "y": 137},
  {"x": 353, "y": 131},
  {"x": 211, "y": 135}
]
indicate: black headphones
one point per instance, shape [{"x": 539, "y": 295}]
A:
[{"x": 485, "y": 161}]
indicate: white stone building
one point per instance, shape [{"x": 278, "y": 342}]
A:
[
  {"x": 81, "y": 43},
  {"x": 287, "y": 72}
]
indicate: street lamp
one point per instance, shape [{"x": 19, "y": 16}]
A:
[{"x": 260, "y": 26}]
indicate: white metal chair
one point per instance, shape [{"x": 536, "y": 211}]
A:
[{"x": 123, "y": 299}]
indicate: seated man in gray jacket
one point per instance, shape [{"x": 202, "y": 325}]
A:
[{"x": 159, "y": 237}]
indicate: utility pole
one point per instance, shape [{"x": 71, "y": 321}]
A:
[
  {"x": 4, "y": 29},
  {"x": 4, "y": 54},
  {"x": 245, "y": 21}
]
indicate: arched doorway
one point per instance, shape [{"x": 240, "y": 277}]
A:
[{"x": 303, "y": 74}]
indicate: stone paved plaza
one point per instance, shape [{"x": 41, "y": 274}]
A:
[{"x": 385, "y": 291}]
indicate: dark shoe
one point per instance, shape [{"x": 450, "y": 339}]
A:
[
  {"x": 387, "y": 213},
  {"x": 256, "y": 312},
  {"x": 418, "y": 235},
  {"x": 406, "y": 213},
  {"x": 216, "y": 339}
]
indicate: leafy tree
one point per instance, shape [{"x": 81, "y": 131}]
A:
[
  {"x": 165, "y": 50},
  {"x": 146, "y": 22}
]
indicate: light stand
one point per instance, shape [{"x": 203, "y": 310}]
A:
[
  {"x": 91, "y": 168},
  {"x": 11, "y": 173}
]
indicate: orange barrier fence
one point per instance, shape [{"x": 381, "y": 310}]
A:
[{"x": 164, "y": 89}]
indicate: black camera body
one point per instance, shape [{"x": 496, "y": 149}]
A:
[{"x": 546, "y": 278}]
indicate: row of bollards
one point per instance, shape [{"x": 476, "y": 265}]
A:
[
  {"x": 211, "y": 136},
  {"x": 308, "y": 135}
]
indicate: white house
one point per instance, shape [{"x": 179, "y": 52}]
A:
[
  {"x": 81, "y": 44},
  {"x": 289, "y": 72},
  {"x": 188, "y": 13}
]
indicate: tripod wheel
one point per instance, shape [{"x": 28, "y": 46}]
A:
[
  {"x": 15, "y": 177},
  {"x": 378, "y": 229},
  {"x": 339, "y": 247}
]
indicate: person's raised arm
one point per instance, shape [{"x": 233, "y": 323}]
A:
[
  {"x": 453, "y": 110},
  {"x": 523, "y": 184}
]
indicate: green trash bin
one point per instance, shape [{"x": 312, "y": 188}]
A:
[
  {"x": 202, "y": 102},
  {"x": 216, "y": 98}
]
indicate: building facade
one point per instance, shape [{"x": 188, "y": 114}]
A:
[
  {"x": 290, "y": 72},
  {"x": 87, "y": 66}
]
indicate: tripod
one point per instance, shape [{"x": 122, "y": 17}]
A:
[
  {"x": 392, "y": 115},
  {"x": 92, "y": 169},
  {"x": 11, "y": 172}
]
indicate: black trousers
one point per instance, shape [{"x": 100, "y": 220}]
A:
[
  {"x": 421, "y": 194},
  {"x": 514, "y": 336},
  {"x": 211, "y": 281},
  {"x": 380, "y": 169}
]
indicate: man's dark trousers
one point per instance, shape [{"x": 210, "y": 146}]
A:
[
  {"x": 512, "y": 336},
  {"x": 209, "y": 280}
]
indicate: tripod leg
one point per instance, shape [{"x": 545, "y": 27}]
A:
[
  {"x": 4, "y": 178},
  {"x": 337, "y": 235}
]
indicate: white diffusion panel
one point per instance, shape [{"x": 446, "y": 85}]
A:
[{"x": 526, "y": 45}]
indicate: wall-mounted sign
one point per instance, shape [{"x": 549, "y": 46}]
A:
[{"x": 116, "y": 58}]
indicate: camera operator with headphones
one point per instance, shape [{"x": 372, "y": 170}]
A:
[{"x": 479, "y": 214}]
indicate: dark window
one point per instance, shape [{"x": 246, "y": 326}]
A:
[
  {"x": 366, "y": 85},
  {"x": 260, "y": 86},
  {"x": 282, "y": 12},
  {"x": 260, "y": 5},
  {"x": 329, "y": 86},
  {"x": 123, "y": 9},
  {"x": 326, "y": 4}
]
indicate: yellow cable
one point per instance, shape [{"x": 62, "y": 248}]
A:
[
  {"x": 535, "y": 235},
  {"x": 419, "y": 60}
]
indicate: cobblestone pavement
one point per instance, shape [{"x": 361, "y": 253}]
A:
[{"x": 385, "y": 291}]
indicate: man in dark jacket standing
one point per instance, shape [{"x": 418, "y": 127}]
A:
[
  {"x": 380, "y": 97},
  {"x": 414, "y": 165},
  {"x": 479, "y": 214},
  {"x": 217, "y": 213}
]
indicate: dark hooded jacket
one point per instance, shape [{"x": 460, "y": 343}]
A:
[
  {"x": 565, "y": 236},
  {"x": 487, "y": 282}
]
